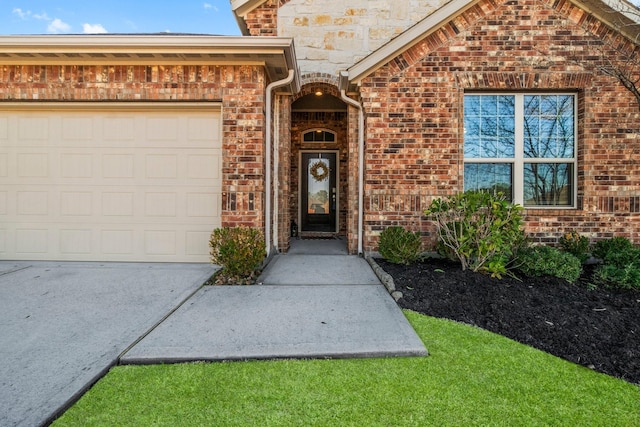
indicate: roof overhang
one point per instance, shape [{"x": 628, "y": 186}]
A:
[
  {"x": 275, "y": 54},
  {"x": 241, "y": 8},
  {"x": 619, "y": 14}
]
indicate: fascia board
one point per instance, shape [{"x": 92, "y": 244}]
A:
[
  {"x": 242, "y": 7},
  {"x": 125, "y": 42},
  {"x": 621, "y": 15}
]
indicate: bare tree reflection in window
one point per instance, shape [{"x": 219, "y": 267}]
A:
[{"x": 549, "y": 135}]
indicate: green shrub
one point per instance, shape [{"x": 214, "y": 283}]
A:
[
  {"x": 621, "y": 268},
  {"x": 611, "y": 246},
  {"x": 400, "y": 246},
  {"x": 575, "y": 244},
  {"x": 239, "y": 251},
  {"x": 549, "y": 261},
  {"x": 611, "y": 276},
  {"x": 479, "y": 229}
]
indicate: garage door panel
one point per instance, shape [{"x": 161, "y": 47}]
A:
[
  {"x": 4, "y": 202},
  {"x": 32, "y": 241},
  {"x": 99, "y": 186},
  {"x": 76, "y": 242},
  {"x": 76, "y": 165},
  {"x": 34, "y": 131},
  {"x": 76, "y": 203},
  {"x": 119, "y": 129}
]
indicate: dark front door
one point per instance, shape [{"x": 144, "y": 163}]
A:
[{"x": 318, "y": 192}]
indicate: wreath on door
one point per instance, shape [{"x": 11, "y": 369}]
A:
[{"x": 319, "y": 171}]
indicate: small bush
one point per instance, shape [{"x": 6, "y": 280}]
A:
[
  {"x": 400, "y": 246},
  {"x": 479, "y": 229},
  {"x": 611, "y": 276},
  {"x": 621, "y": 268},
  {"x": 549, "y": 261},
  {"x": 611, "y": 246},
  {"x": 239, "y": 250},
  {"x": 575, "y": 244}
]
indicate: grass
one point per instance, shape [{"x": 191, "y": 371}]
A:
[{"x": 472, "y": 377}]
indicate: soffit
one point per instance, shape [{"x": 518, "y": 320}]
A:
[
  {"x": 276, "y": 54},
  {"x": 619, "y": 14}
]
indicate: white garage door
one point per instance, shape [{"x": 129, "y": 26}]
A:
[{"x": 109, "y": 184}]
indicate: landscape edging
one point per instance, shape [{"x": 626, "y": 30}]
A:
[{"x": 384, "y": 277}]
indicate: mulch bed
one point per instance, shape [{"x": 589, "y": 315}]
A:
[{"x": 597, "y": 328}]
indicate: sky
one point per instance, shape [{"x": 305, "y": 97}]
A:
[{"x": 116, "y": 16}]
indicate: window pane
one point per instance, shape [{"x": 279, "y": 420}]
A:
[
  {"x": 548, "y": 184},
  {"x": 489, "y": 126},
  {"x": 318, "y": 136},
  {"x": 492, "y": 177},
  {"x": 549, "y": 126}
]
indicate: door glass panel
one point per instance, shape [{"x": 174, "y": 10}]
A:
[{"x": 318, "y": 172}]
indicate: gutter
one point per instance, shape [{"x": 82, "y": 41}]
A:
[
  {"x": 344, "y": 81},
  {"x": 268, "y": 144}
]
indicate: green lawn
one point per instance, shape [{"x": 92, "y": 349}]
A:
[{"x": 472, "y": 377}]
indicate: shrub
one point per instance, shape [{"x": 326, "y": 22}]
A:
[
  {"x": 239, "y": 250},
  {"x": 549, "y": 261},
  {"x": 479, "y": 229},
  {"x": 612, "y": 276},
  {"x": 611, "y": 246},
  {"x": 621, "y": 268},
  {"x": 575, "y": 244},
  {"x": 400, "y": 246}
]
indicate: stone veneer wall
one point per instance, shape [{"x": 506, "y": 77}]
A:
[
  {"x": 240, "y": 89},
  {"x": 414, "y": 116},
  {"x": 332, "y": 36}
]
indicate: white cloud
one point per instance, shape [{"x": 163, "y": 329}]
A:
[
  {"x": 41, "y": 16},
  {"x": 209, "y": 6},
  {"x": 27, "y": 14},
  {"x": 58, "y": 26},
  {"x": 21, "y": 13},
  {"x": 93, "y": 29}
]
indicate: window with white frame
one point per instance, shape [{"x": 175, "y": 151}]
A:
[{"x": 523, "y": 145}]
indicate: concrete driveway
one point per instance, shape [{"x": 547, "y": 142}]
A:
[{"x": 62, "y": 325}]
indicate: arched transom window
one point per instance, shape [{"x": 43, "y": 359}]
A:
[{"x": 319, "y": 135}]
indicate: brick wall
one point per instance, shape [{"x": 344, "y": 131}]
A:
[
  {"x": 283, "y": 172},
  {"x": 414, "y": 116},
  {"x": 262, "y": 21},
  {"x": 239, "y": 88}
]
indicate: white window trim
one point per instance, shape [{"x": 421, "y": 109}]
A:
[{"x": 518, "y": 161}]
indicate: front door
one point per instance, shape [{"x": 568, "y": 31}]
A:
[{"x": 318, "y": 204}]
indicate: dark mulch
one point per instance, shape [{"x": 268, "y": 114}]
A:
[{"x": 597, "y": 328}]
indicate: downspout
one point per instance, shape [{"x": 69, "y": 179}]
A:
[
  {"x": 356, "y": 104},
  {"x": 267, "y": 192}
]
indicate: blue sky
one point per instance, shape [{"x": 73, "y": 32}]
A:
[{"x": 116, "y": 16}]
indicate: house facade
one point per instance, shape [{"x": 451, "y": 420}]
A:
[
  {"x": 342, "y": 121},
  {"x": 510, "y": 96}
]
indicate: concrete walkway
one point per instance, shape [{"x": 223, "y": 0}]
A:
[
  {"x": 63, "y": 325},
  {"x": 308, "y": 306}
]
